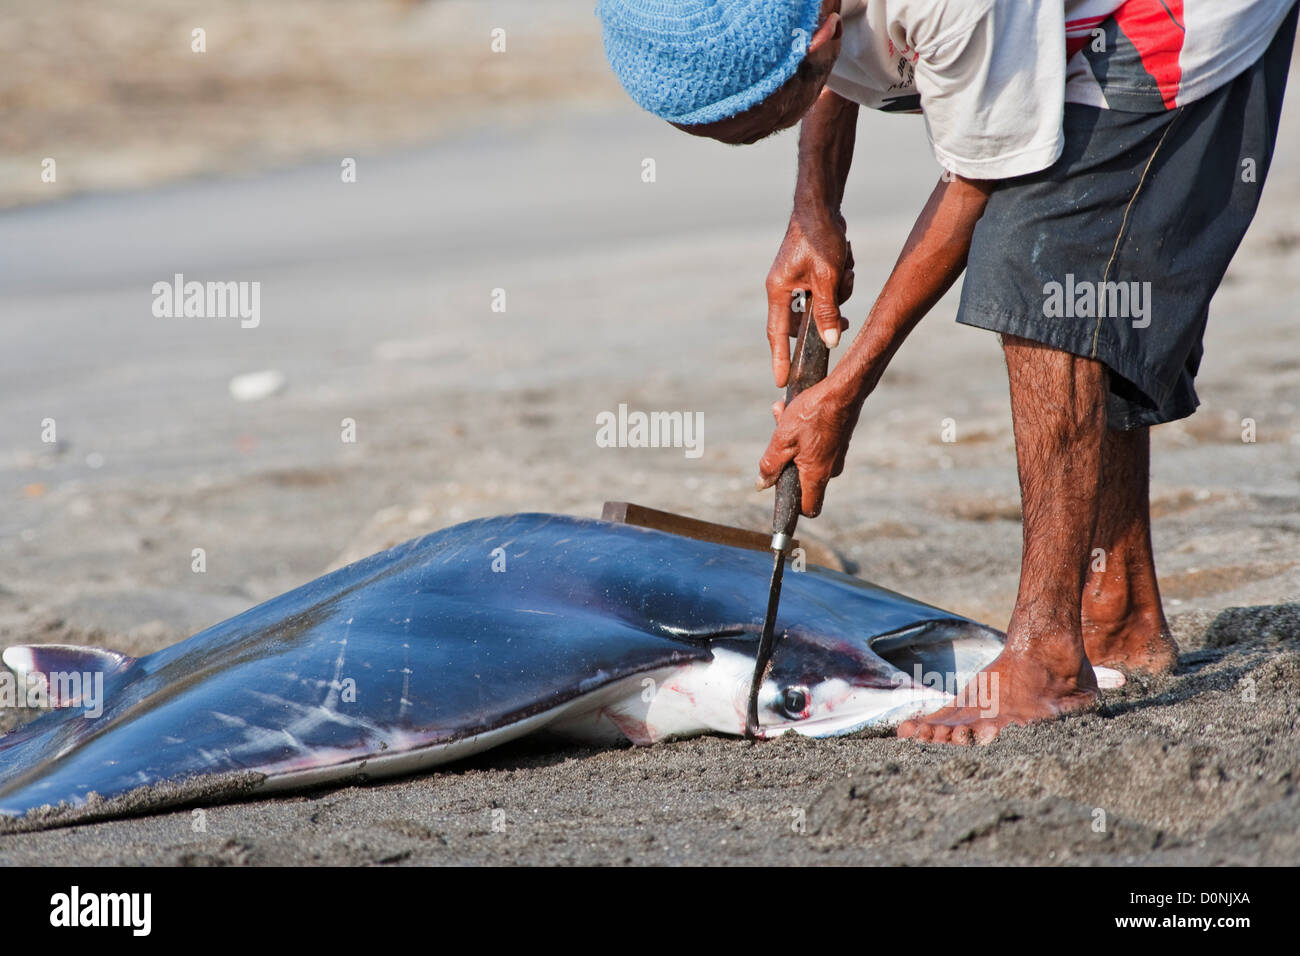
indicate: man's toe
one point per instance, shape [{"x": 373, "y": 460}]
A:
[{"x": 984, "y": 731}]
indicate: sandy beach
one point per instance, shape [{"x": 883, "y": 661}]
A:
[{"x": 376, "y": 307}]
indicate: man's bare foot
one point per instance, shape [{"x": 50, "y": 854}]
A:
[
  {"x": 1123, "y": 624},
  {"x": 1016, "y": 688},
  {"x": 1118, "y": 635},
  {"x": 1134, "y": 646}
]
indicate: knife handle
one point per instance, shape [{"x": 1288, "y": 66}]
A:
[{"x": 811, "y": 358}]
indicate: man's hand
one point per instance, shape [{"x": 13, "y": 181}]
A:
[
  {"x": 815, "y": 258},
  {"x": 814, "y": 433}
]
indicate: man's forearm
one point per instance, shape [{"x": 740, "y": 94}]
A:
[
  {"x": 931, "y": 260},
  {"x": 825, "y": 153}
]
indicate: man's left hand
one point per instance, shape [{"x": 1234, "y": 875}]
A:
[{"x": 814, "y": 433}]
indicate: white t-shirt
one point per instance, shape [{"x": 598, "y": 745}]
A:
[{"x": 992, "y": 76}]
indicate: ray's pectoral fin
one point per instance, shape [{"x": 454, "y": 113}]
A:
[{"x": 65, "y": 672}]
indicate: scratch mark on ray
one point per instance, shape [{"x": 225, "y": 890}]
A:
[
  {"x": 406, "y": 679},
  {"x": 312, "y": 717}
]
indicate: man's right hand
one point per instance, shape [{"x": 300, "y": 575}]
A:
[{"x": 815, "y": 259}]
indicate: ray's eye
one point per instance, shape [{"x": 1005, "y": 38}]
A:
[{"x": 794, "y": 701}]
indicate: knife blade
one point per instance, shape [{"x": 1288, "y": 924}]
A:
[{"x": 808, "y": 367}]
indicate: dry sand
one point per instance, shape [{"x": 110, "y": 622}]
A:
[{"x": 650, "y": 295}]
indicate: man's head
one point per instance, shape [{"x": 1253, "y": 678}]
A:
[{"x": 732, "y": 70}]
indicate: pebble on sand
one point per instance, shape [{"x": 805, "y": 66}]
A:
[{"x": 255, "y": 386}]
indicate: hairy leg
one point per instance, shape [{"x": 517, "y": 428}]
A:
[
  {"x": 1123, "y": 623},
  {"x": 1058, "y": 407}
]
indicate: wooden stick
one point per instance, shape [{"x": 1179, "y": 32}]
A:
[{"x": 625, "y": 512}]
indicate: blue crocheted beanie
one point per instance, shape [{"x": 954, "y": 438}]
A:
[{"x": 699, "y": 61}]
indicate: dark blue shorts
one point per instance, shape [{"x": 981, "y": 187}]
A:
[{"x": 1114, "y": 252}]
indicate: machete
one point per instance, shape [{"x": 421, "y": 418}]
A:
[{"x": 808, "y": 368}]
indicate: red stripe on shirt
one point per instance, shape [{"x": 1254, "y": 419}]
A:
[{"x": 1155, "y": 27}]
